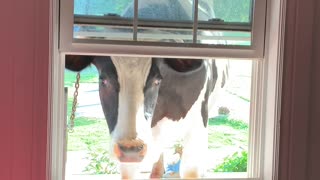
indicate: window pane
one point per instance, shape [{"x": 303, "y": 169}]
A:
[
  {"x": 231, "y": 10},
  {"x": 100, "y": 7},
  {"x": 228, "y": 129},
  {"x": 169, "y": 10},
  {"x": 224, "y": 37},
  {"x": 219, "y": 22},
  {"x": 102, "y": 32}
]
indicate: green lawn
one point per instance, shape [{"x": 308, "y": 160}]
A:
[
  {"x": 89, "y": 132},
  {"x": 94, "y": 132},
  {"x": 92, "y": 136},
  {"x": 224, "y": 132}
]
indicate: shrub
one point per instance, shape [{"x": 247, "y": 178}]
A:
[
  {"x": 237, "y": 162},
  {"x": 100, "y": 162},
  {"x": 223, "y": 111}
]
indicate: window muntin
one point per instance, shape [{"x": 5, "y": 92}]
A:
[
  {"x": 184, "y": 21},
  {"x": 232, "y": 11}
]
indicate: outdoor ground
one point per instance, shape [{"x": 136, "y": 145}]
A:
[{"x": 227, "y": 134}]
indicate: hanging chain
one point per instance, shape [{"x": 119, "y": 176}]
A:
[{"x": 74, "y": 105}]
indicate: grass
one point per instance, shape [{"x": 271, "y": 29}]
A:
[
  {"x": 89, "y": 132},
  {"x": 224, "y": 132},
  {"x": 225, "y": 137},
  {"x": 94, "y": 132},
  {"x": 224, "y": 120}
]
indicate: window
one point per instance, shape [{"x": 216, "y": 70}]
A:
[
  {"x": 188, "y": 21},
  {"x": 83, "y": 31},
  {"x": 134, "y": 25},
  {"x": 229, "y": 128}
]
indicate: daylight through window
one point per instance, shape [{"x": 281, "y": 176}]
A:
[{"x": 180, "y": 35}]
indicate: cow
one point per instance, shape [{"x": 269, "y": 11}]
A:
[{"x": 143, "y": 97}]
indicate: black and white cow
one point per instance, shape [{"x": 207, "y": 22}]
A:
[
  {"x": 147, "y": 101},
  {"x": 144, "y": 99}
]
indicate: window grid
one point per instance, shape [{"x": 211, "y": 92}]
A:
[
  {"x": 112, "y": 20},
  {"x": 98, "y": 46}
]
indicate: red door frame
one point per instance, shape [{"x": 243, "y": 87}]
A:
[{"x": 25, "y": 73}]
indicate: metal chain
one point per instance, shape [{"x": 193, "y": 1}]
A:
[{"x": 74, "y": 105}]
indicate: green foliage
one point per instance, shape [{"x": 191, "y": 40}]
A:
[
  {"x": 237, "y": 162},
  {"x": 100, "y": 162},
  {"x": 224, "y": 120}
]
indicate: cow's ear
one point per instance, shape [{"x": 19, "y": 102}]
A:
[
  {"x": 183, "y": 65},
  {"x": 78, "y": 62}
]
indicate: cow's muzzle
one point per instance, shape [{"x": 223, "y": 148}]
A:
[{"x": 130, "y": 151}]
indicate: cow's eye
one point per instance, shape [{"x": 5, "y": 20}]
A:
[
  {"x": 103, "y": 81},
  {"x": 157, "y": 82}
]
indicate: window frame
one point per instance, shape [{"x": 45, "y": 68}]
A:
[
  {"x": 98, "y": 47},
  {"x": 269, "y": 100}
]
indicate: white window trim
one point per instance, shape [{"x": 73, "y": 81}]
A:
[
  {"x": 269, "y": 86},
  {"x": 69, "y": 45}
]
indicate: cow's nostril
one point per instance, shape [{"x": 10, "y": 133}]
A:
[
  {"x": 130, "y": 150},
  {"x": 122, "y": 148},
  {"x": 139, "y": 148},
  {"x": 133, "y": 149}
]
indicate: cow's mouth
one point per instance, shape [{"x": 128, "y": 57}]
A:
[{"x": 132, "y": 151}]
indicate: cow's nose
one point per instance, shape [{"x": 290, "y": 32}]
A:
[{"x": 130, "y": 150}]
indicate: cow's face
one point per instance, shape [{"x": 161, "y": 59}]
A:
[{"x": 128, "y": 90}]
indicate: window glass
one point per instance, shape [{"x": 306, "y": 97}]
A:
[
  {"x": 169, "y": 10},
  {"x": 219, "y": 22},
  {"x": 100, "y": 7},
  {"x": 88, "y": 155}
]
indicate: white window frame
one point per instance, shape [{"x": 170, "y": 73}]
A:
[
  {"x": 70, "y": 45},
  {"x": 266, "y": 94}
]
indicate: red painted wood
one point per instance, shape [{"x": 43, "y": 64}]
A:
[
  {"x": 298, "y": 106},
  {"x": 296, "y": 88},
  {"x": 314, "y": 130},
  {"x": 24, "y": 63},
  {"x": 6, "y": 95},
  {"x": 24, "y": 66}
]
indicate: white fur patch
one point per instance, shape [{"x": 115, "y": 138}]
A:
[
  {"x": 132, "y": 75},
  {"x": 191, "y": 129}
]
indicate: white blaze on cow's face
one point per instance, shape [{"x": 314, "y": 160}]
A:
[
  {"x": 128, "y": 90},
  {"x": 132, "y": 75},
  {"x": 138, "y": 81}
]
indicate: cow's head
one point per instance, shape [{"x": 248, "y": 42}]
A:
[{"x": 128, "y": 88}]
